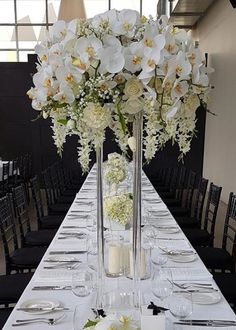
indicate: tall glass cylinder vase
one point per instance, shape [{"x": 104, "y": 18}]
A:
[
  {"x": 100, "y": 226},
  {"x": 137, "y": 207}
]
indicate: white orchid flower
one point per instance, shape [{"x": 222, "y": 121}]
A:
[
  {"x": 58, "y": 31},
  {"x": 171, "y": 47},
  {"x": 87, "y": 47},
  {"x": 178, "y": 66},
  {"x": 133, "y": 57},
  {"x": 179, "y": 89},
  {"x": 42, "y": 52},
  {"x": 125, "y": 25},
  {"x": 44, "y": 77},
  {"x": 103, "y": 22},
  {"x": 69, "y": 75},
  {"x": 179, "y": 34},
  {"x": 152, "y": 42},
  {"x": 111, "y": 56},
  {"x": 65, "y": 94}
]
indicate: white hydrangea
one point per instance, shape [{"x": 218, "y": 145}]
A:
[{"x": 119, "y": 208}]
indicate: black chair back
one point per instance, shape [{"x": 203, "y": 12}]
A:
[
  {"x": 189, "y": 190},
  {"x": 48, "y": 188},
  {"x": 180, "y": 183},
  {"x": 199, "y": 200},
  {"x": 212, "y": 208},
  {"x": 229, "y": 236},
  {"x": 8, "y": 229},
  {"x": 21, "y": 210},
  {"x": 174, "y": 179},
  {"x": 37, "y": 197}
]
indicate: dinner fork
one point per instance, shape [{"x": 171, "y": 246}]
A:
[
  {"x": 188, "y": 285},
  {"x": 50, "y": 321}
]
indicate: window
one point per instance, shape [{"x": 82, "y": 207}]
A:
[{"x": 23, "y": 22}]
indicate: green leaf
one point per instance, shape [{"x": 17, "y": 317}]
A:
[
  {"x": 122, "y": 121},
  {"x": 62, "y": 121},
  {"x": 90, "y": 324}
]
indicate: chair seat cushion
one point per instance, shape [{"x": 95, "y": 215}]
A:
[
  {"x": 198, "y": 237},
  {"x": 167, "y": 194},
  {"x": 28, "y": 257},
  {"x": 172, "y": 202},
  {"x": 187, "y": 222},
  {"x": 65, "y": 199},
  {"x": 59, "y": 209},
  {"x": 40, "y": 238},
  {"x": 51, "y": 221},
  {"x": 12, "y": 286},
  {"x": 227, "y": 284},
  {"x": 215, "y": 258},
  {"x": 4, "y": 314},
  {"x": 179, "y": 211}
]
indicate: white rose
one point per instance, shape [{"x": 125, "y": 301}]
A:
[
  {"x": 133, "y": 88},
  {"x": 96, "y": 116},
  {"x": 133, "y": 105},
  {"x": 132, "y": 143},
  {"x": 70, "y": 124}
]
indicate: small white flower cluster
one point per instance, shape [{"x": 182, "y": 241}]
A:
[
  {"x": 103, "y": 71},
  {"x": 119, "y": 208},
  {"x": 112, "y": 322},
  {"x": 115, "y": 168}
]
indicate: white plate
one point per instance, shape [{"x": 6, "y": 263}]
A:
[
  {"x": 169, "y": 230},
  {"x": 183, "y": 258},
  {"x": 205, "y": 298},
  {"x": 39, "y": 303}
]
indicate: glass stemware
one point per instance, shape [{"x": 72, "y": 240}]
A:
[
  {"x": 82, "y": 282},
  {"x": 181, "y": 305},
  {"x": 158, "y": 258},
  {"x": 162, "y": 286}
]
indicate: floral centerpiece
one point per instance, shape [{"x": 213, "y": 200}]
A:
[
  {"x": 111, "y": 322},
  {"x": 115, "y": 171},
  {"x": 119, "y": 208},
  {"x": 100, "y": 72}
]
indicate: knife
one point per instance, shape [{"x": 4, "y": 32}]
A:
[
  {"x": 207, "y": 290},
  {"x": 210, "y": 321},
  {"x": 38, "y": 309},
  {"x": 207, "y": 324},
  {"x": 52, "y": 287},
  {"x": 67, "y": 252}
]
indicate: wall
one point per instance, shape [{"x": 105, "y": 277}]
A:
[{"x": 217, "y": 35}]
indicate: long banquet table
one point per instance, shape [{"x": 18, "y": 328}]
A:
[{"x": 75, "y": 217}]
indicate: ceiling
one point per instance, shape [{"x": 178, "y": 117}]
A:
[{"x": 186, "y": 13}]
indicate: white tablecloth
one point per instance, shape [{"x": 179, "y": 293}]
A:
[{"x": 53, "y": 277}]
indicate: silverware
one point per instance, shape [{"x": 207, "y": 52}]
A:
[
  {"x": 189, "y": 285},
  {"x": 52, "y": 287},
  {"x": 67, "y": 252},
  {"x": 43, "y": 309},
  {"x": 73, "y": 227},
  {"x": 68, "y": 266},
  {"x": 50, "y": 321},
  {"x": 206, "y": 290},
  {"x": 61, "y": 260},
  {"x": 209, "y": 323}
]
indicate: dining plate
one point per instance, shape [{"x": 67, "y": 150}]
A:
[
  {"x": 183, "y": 258},
  {"x": 167, "y": 230},
  {"x": 205, "y": 298},
  {"x": 40, "y": 303}
]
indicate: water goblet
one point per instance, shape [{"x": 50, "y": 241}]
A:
[
  {"x": 158, "y": 259},
  {"x": 82, "y": 282},
  {"x": 181, "y": 305},
  {"x": 162, "y": 286}
]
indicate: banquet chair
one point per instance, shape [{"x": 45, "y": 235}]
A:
[
  {"x": 16, "y": 258},
  {"x": 56, "y": 187},
  {"x": 175, "y": 198},
  {"x": 67, "y": 187},
  {"x": 205, "y": 236},
  {"x": 44, "y": 221},
  {"x": 195, "y": 220},
  {"x": 227, "y": 284},
  {"x": 27, "y": 236},
  {"x": 173, "y": 186},
  {"x": 224, "y": 257},
  {"x": 187, "y": 198},
  {"x": 4, "y": 314},
  {"x": 12, "y": 287},
  {"x": 4, "y": 184},
  {"x": 53, "y": 207},
  {"x": 165, "y": 185},
  {"x": 70, "y": 182}
]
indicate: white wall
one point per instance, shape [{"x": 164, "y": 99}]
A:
[{"x": 217, "y": 35}]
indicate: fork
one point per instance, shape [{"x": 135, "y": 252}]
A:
[
  {"x": 50, "y": 321},
  {"x": 188, "y": 285}
]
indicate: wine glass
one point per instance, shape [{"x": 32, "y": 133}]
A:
[
  {"x": 158, "y": 258},
  {"x": 181, "y": 305},
  {"x": 162, "y": 286},
  {"x": 82, "y": 282}
]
